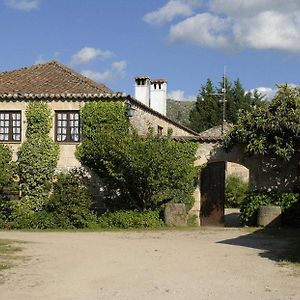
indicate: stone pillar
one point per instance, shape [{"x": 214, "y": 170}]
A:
[{"x": 195, "y": 211}]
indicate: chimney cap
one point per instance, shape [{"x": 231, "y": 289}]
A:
[
  {"x": 141, "y": 77},
  {"x": 158, "y": 81}
]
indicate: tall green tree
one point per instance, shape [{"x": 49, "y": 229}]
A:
[
  {"x": 273, "y": 129},
  {"x": 137, "y": 173},
  {"x": 208, "y": 109}
]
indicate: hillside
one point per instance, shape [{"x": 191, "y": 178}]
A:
[{"x": 179, "y": 111}]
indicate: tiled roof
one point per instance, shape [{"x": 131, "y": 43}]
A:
[
  {"x": 64, "y": 96},
  {"x": 214, "y": 133},
  {"x": 49, "y": 78}
]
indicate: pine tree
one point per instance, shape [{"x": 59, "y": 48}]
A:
[{"x": 208, "y": 109}]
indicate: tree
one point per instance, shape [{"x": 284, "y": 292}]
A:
[
  {"x": 137, "y": 173},
  {"x": 273, "y": 129},
  {"x": 208, "y": 109}
]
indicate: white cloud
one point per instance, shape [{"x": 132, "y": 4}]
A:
[
  {"x": 171, "y": 10},
  {"x": 87, "y": 54},
  {"x": 118, "y": 69},
  {"x": 26, "y": 5},
  {"x": 40, "y": 60},
  {"x": 120, "y": 66},
  {"x": 179, "y": 95},
  {"x": 269, "y": 30},
  {"x": 233, "y": 24},
  {"x": 203, "y": 29},
  {"x": 98, "y": 76},
  {"x": 268, "y": 92},
  {"x": 242, "y": 8}
]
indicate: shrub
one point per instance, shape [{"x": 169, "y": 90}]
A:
[
  {"x": 235, "y": 191},
  {"x": 7, "y": 167},
  {"x": 192, "y": 220},
  {"x": 70, "y": 203},
  {"x": 130, "y": 219},
  {"x": 254, "y": 200},
  {"x": 138, "y": 173}
]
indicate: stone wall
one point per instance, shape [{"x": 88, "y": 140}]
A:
[
  {"x": 265, "y": 173},
  {"x": 143, "y": 119},
  {"x": 234, "y": 169},
  {"x": 67, "y": 158}
]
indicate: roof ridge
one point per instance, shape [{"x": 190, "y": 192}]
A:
[
  {"x": 24, "y": 68},
  {"x": 83, "y": 78}
]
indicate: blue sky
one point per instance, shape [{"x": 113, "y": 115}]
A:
[{"x": 183, "y": 41}]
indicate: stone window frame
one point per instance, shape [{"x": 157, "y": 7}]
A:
[
  {"x": 64, "y": 124},
  {"x": 160, "y": 130},
  {"x": 10, "y": 126}
]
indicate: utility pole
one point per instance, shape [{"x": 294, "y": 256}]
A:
[{"x": 224, "y": 101}]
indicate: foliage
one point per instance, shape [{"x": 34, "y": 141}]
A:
[
  {"x": 69, "y": 206},
  {"x": 208, "y": 108},
  {"x": 179, "y": 111},
  {"x": 38, "y": 119},
  {"x": 272, "y": 129},
  {"x": 138, "y": 173},
  {"x": 7, "y": 167},
  {"x": 235, "y": 191},
  {"x": 192, "y": 220},
  {"x": 70, "y": 203},
  {"x": 38, "y": 155},
  {"x": 130, "y": 219},
  {"x": 254, "y": 200}
]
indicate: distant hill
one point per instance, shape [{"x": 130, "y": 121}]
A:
[{"x": 179, "y": 111}]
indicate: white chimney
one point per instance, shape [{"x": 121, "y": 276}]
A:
[
  {"x": 158, "y": 96},
  {"x": 142, "y": 89}
]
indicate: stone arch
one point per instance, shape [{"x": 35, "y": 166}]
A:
[{"x": 265, "y": 173}]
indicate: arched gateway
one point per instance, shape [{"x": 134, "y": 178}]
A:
[{"x": 265, "y": 173}]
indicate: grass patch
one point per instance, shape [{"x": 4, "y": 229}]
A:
[{"x": 8, "y": 249}]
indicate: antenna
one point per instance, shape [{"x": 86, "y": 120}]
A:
[{"x": 224, "y": 101}]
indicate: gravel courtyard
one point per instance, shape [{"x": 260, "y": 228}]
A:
[{"x": 225, "y": 263}]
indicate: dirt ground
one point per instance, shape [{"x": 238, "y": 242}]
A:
[{"x": 221, "y": 263}]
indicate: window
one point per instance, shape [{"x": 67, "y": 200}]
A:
[
  {"x": 67, "y": 126},
  {"x": 159, "y": 130},
  {"x": 10, "y": 126}
]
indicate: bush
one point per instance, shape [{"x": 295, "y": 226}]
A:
[
  {"x": 138, "y": 173},
  {"x": 254, "y": 200},
  {"x": 69, "y": 206},
  {"x": 130, "y": 219},
  {"x": 7, "y": 167},
  {"x": 235, "y": 191},
  {"x": 70, "y": 203}
]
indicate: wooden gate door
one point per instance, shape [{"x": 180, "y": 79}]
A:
[{"x": 212, "y": 194}]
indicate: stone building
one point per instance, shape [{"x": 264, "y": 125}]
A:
[{"x": 66, "y": 92}]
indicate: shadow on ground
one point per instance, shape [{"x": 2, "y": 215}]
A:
[{"x": 281, "y": 244}]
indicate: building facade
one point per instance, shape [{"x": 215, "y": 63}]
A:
[{"x": 66, "y": 92}]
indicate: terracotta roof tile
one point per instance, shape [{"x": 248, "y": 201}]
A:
[{"x": 51, "y": 78}]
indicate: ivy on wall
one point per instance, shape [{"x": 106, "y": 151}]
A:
[
  {"x": 7, "y": 167},
  {"x": 138, "y": 173},
  {"x": 38, "y": 155}
]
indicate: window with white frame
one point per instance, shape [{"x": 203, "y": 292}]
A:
[
  {"x": 10, "y": 126},
  {"x": 67, "y": 126}
]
